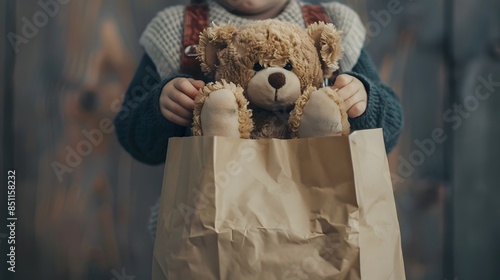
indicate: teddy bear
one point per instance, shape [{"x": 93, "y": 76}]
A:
[{"x": 268, "y": 77}]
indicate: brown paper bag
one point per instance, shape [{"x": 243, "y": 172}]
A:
[{"x": 315, "y": 208}]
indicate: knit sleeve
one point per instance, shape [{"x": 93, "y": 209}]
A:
[
  {"x": 140, "y": 126},
  {"x": 383, "y": 109},
  {"x": 353, "y": 31},
  {"x": 162, "y": 40}
]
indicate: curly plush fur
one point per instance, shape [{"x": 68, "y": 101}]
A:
[
  {"x": 274, "y": 70},
  {"x": 244, "y": 114}
]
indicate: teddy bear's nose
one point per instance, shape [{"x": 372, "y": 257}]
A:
[{"x": 277, "y": 80}]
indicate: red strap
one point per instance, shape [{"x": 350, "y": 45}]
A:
[
  {"x": 314, "y": 13},
  {"x": 195, "y": 20}
]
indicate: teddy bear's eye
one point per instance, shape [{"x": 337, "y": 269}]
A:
[
  {"x": 288, "y": 66},
  {"x": 257, "y": 67}
]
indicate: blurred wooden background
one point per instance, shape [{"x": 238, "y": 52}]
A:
[{"x": 72, "y": 73}]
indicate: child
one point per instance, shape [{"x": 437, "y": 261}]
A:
[{"x": 159, "y": 102}]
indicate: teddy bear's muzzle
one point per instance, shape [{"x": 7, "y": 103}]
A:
[{"x": 274, "y": 88}]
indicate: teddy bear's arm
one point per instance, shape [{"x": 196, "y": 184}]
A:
[
  {"x": 221, "y": 110},
  {"x": 318, "y": 112}
]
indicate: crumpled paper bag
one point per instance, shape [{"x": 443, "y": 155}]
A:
[{"x": 313, "y": 208}]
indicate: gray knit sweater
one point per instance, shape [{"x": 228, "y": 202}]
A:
[{"x": 162, "y": 38}]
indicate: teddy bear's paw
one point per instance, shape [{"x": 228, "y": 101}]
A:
[
  {"x": 318, "y": 112},
  {"x": 221, "y": 110}
]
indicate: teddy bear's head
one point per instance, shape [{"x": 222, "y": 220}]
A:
[{"x": 272, "y": 60}]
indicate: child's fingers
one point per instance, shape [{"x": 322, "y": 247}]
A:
[
  {"x": 342, "y": 80},
  {"x": 353, "y": 92},
  {"x": 355, "y": 105},
  {"x": 185, "y": 86},
  {"x": 197, "y": 83},
  {"x": 179, "y": 110},
  {"x": 357, "y": 109},
  {"x": 349, "y": 90},
  {"x": 171, "y": 116},
  {"x": 182, "y": 99}
]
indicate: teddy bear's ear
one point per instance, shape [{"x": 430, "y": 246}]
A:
[
  {"x": 328, "y": 43},
  {"x": 212, "y": 40}
]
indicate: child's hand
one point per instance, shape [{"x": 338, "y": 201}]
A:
[
  {"x": 353, "y": 92},
  {"x": 177, "y": 100}
]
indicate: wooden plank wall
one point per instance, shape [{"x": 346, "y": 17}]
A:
[
  {"x": 91, "y": 222},
  {"x": 476, "y": 37}
]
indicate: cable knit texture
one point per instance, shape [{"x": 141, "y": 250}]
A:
[
  {"x": 162, "y": 39},
  {"x": 141, "y": 128}
]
